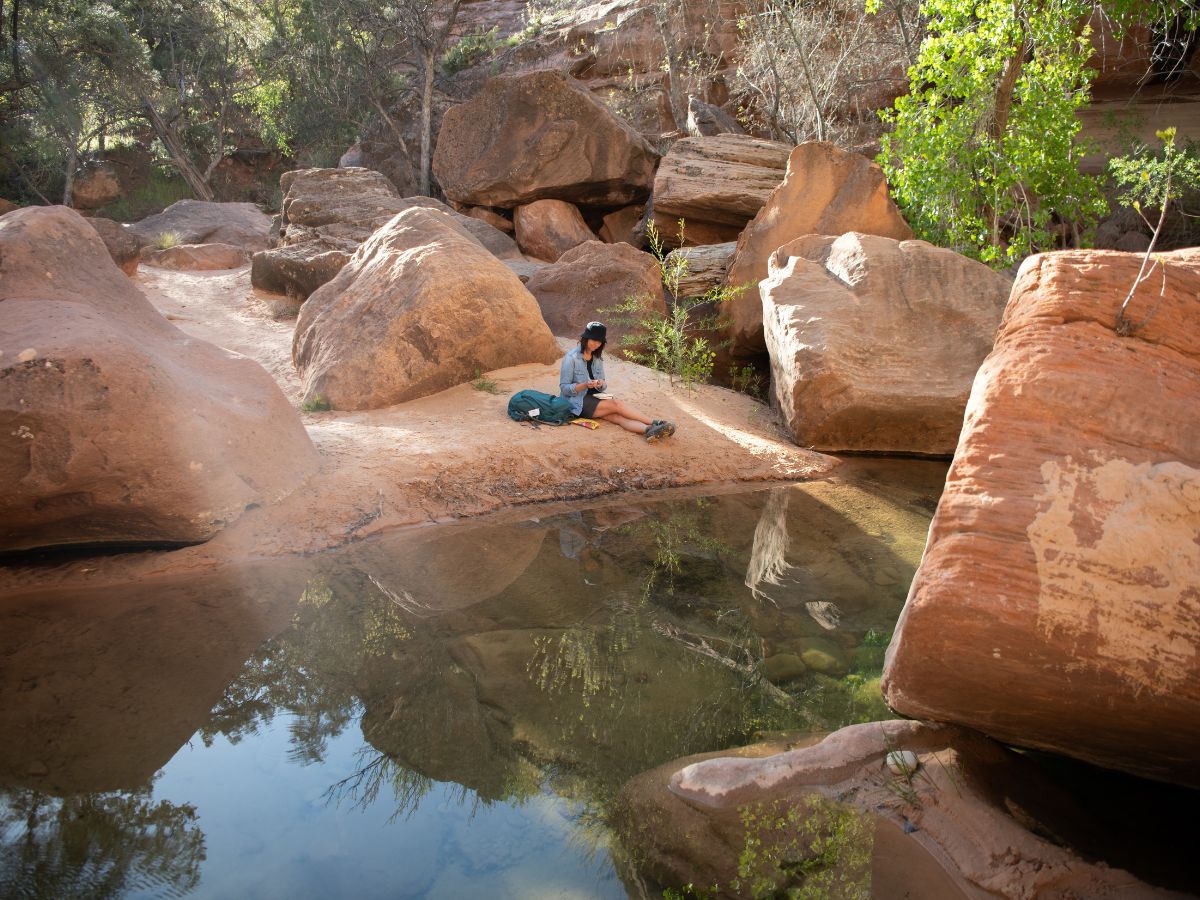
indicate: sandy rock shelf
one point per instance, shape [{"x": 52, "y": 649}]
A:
[{"x": 449, "y": 455}]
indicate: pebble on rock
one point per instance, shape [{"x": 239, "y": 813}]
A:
[{"x": 902, "y": 762}]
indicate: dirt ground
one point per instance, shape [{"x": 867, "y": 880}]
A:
[{"x": 455, "y": 453}]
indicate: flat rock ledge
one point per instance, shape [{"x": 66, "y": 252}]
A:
[{"x": 733, "y": 824}]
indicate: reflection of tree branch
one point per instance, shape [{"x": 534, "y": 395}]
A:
[
  {"x": 362, "y": 786},
  {"x": 403, "y": 599},
  {"x": 699, "y": 644}
]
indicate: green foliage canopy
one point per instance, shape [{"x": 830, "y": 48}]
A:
[{"x": 984, "y": 150}]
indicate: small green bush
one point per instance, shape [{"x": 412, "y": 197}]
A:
[
  {"x": 473, "y": 48},
  {"x": 316, "y": 404},
  {"x": 485, "y": 384},
  {"x": 165, "y": 240}
]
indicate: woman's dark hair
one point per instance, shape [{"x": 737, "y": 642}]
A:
[
  {"x": 595, "y": 331},
  {"x": 597, "y": 353}
]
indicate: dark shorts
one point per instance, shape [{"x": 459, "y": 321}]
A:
[{"x": 590, "y": 402}]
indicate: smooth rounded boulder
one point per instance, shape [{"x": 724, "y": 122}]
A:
[
  {"x": 874, "y": 342},
  {"x": 1057, "y": 603},
  {"x": 592, "y": 278},
  {"x": 536, "y": 136},
  {"x": 115, "y": 426},
  {"x": 420, "y": 307},
  {"x": 826, "y": 190},
  {"x": 196, "y": 257},
  {"x": 546, "y": 229},
  {"x": 208, "y": 222}
]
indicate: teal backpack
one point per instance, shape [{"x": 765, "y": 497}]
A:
[{"x": 539, "y": 407}]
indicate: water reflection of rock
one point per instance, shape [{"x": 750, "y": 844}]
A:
[
  {"x": 630, "y": 635},
  {"x": 101, "y": 687},
  {"x": 429, "y": 571}
]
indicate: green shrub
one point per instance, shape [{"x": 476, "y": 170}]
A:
[
  {"x": 316, "y": 404},
  {"x": 485, "y": 384},
  {"x": 165, "y": 240},
  {"x": 473, "y": 48}
]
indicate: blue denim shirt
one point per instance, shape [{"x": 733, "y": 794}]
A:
[{"x": 574, "y": 372}]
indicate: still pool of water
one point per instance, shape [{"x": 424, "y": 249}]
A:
[{"x": 442, "y": 712}]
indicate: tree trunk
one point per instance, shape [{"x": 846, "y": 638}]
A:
[
  {"x": 1003, "y": 106},
  {"x": 164, "y": 133},
  {"x": 72, "y": 163},
  {"x": 426, "y": 126},
  {"x": 675, "y": 88}
]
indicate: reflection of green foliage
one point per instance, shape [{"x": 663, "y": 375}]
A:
[
  {"x": 97, "y": 845},
  {"x": 582, "y": 658},
  {"x": 813, "y": 851},
  {"x": 680, "y": 533}
]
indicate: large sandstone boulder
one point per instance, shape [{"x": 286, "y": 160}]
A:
[
  {"x": 115, "y": 426},
  {"x": 206, "y": 222},
  {"x": 546, "y": 229},
  {"x": 297, "y": 269},
  {"x": 716, "y": 185},
  {"x": 95, "y": 186},
  {"x": 826, "y": 191},
  {"x": 419, "y": 308},
  {"x": 1057, "y": 604},
  {"x": 593, "y": 277},
  {"x": 124, "y": 246},
  {"x": 328, "y": 213},
  {"x": 7, "y": 206},
  {"x": 196, "y": 257},
  {"x": 874, "y": 342},
  {"x": 537, "y": 136}
]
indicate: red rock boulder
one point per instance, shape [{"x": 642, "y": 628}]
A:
[
  {"x": 206, "y": 222},
  {"x": 593, "y": 277},
  {"x": 115, "y": 426},
  {"x": 546, "y": 229},
  {"x": 420, "y": 307},
  {"x": 537, "y": 136},
  {"x": 196, "y": 257},
  {"x": 874, "y": 342},
  {"x": 328, "y": 213},
  {"x": 716, "y": 185},
  {"x": 95, "y": 186},
  {"x": 1058, "y": 601},
  {"x": 827, "y": 190},
  {"x": 124, "y": 246}
]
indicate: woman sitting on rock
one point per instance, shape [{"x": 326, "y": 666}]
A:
[{"x": 581, "y": 382}]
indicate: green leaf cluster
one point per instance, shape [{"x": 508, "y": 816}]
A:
[
  {"x": 1152, "y": 179},
  {"x": 984, "y": 169}
]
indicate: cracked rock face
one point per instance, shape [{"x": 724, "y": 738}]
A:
[
  {"x": 1057, "y": 604},
  {"x": 116, "y": 427}
]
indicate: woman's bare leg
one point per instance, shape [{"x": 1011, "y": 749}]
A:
[
  {"x": 607, "y": 408},
  {"x": 628, "y": 424}
]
